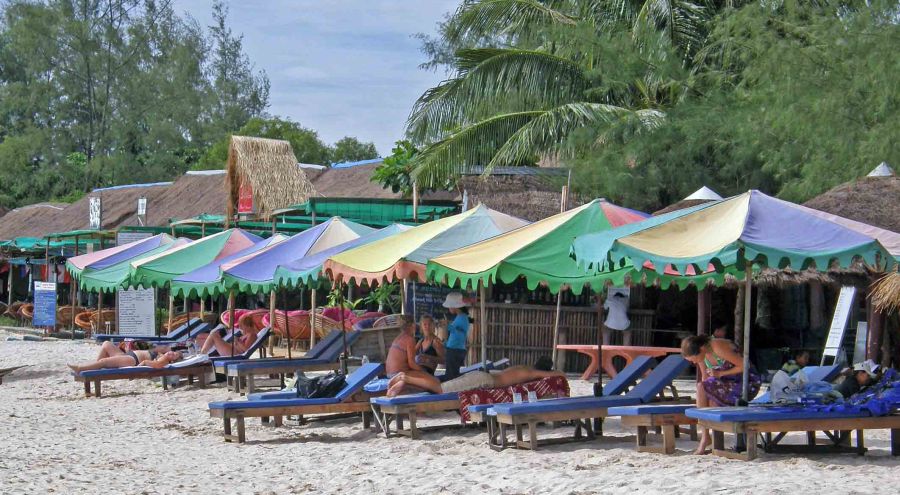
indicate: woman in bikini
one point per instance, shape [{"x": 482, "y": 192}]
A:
[
  {"x": 430, "y": 349},
  {"x": 111, "y": 356},
  {"x": 217, "y": 341},
  {"x": 469, "y": 381},
  {"x": 721, "y": 367}
]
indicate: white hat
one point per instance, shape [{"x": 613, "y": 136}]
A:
[
  {"x": 454, "y": 300},
  {"x": 868, "y": 366}
]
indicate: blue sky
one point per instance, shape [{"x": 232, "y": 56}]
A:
[{"x": 341, "y": 67}]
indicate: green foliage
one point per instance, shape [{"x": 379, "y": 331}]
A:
[
  {"x": 350, "y": 149},
  {"x": 397, "y": 168},
  {"x": 386, "y": 297},
  {"x": 102, "y": 93}
]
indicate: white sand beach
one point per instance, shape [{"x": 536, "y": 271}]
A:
[{"x": 139, "y": 439}]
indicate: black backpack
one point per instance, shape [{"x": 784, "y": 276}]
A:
[{"x": 321, "y": 386}]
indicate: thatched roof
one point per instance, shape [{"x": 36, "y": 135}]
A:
[
  {"x": 269, "y": 165},
  {"x": 871, "y": 200},
  {"x": 886, "y": 293},
  {"x": 119, "y": 206},
  {"x": 34, "y": 220},
  {"x": 530, "y": 196},
  {"x": 192, "y": 194},
  {"x": 351, "y": 182}
]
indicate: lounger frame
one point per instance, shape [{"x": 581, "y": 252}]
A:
[
  {"x": 668, "y": 425},
  {"x": 198, "y": 372},
  {"x": 837, "y": 430},
  {"x": 384, "y": 414}
]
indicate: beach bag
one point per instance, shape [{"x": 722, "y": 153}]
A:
[
  {"x": 328, "y": 386},
  {"x": 305, "y": 385}
]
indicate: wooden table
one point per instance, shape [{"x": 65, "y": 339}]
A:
[{"x": 627, "y": 352}]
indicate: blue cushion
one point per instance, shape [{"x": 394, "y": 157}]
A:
[
  {"x": 256, "y": 364},
  {"x": 413, "y": 399},
  {"x": 813, "y": 373},
  {"x": 260, "y": 340},
  {"x": 628, "y": 376},
  {"x": 566, "y": 404},
  {"x": 658, "y": 379},
  {"x": 130, "y": 370},
  {"x": 260, "y": 404},
  {"x": 326, "y": 342},
  {"x": 650, "y": 409},
  {"x": 720, "y": 414},
  {"x": 281, "y": 394},
  {"x": 477, "y": 408}
]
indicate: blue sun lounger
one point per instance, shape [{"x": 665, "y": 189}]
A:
[
  {"x": 242, "y": 373},
  {"x": 257, "y": 345},
  {"x": 779, "y": 420},
  {"x": 351, "y": 399},
  {"x": 670, "y": 418},
  {"x": 177, "y": 334},
  {"x": 581, "y": 410},
  {"x": 193, "y": 368}
]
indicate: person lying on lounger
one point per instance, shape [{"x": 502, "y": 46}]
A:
[
  {"x": 216, "y": 340},
  {"x": 111, "y": 356},
  {"x": 472, "y": 380}
]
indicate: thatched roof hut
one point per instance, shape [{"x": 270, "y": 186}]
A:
[
  {"x": 34, "y": 220},
  {"x": 119, "y": 205},
  {"x": 870, "y": 200},
  {"x": 531, "y": 193},
  {"x": 350, "y": 182},
  {"x": 270, "y": 168}
]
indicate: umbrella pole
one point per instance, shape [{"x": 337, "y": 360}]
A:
[
  {"x": 171, "y": 311},
  {"x": 748, "y": 274},
  {"x": 556, "y": 326},
  {"x": 483, "y": 323},
  {"x": 312, "y": 318},
  {"x": 231, "y": 318},
  {"x": 73, "y": 287},
  {"x": 273, "y": 300},
  {"x": 100, "y": 311},
  {"x": 202, "y": 307},
  {"x": 345, "y": 355},
  {"x": 287, "y": 323}
]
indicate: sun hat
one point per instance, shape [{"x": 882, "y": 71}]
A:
[
  {"x": 454, "y": 300},
  {"x": 868, "y": 366}
]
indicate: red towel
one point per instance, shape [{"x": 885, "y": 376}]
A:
[{"x": 556, "y": 386}]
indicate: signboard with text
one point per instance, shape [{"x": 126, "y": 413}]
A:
[
  {"x": 95, "y": 212},
  {"x": 44, "y": 304},
  {"x": 136, "y": 312},
  {"x": 245, "y": 198},
  {"x": 126, "y": 237},
  {"x": 839, "y": 322}
]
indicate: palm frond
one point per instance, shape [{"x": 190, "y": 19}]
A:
[
  {"x": 495, "y": 81},
  {"x": 681, "y": 20},
  {"x": 471, "y": 146},
  {"x": 549, "y": 130},
  {"x": 503, "y": 17}
]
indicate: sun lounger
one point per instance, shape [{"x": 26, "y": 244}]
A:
[
  {"x": 667, "y": 419},
  {"x": 178, "y": 334},
  {"x": 381, "y": 384},
  {"x": 242, "y": 373},
  {"x": 581, "y": 410},
  {"x": 258, "y": 345},
  {"x": 779, "y": 420},
  {"x": 193, "y": 368},
  {"x": 619, "y": 384},
  {"x": 351, "y": 399}
]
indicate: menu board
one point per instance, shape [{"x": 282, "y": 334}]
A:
[
  {"x": 44, "y": 304},
  {"x": 424, "y": 299},
  {"x": 136, "y": 312},
  {"x": 839, "y": 322}
]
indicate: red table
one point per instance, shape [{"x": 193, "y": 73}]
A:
[{"x": 627, "y": 352}]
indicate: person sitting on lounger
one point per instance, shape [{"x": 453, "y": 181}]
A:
[
  {"x": 861, "y": 376},
  {"x": 429, "y": 350},
  {"x": 471, "y": 380},
  {"x": 798, "y": 362},
  {"x": 111, "y": 356},
  {"x": 216, "y": 340},
  {"x": 401, "y": 355},
  {"x": 721, "y": 368}
]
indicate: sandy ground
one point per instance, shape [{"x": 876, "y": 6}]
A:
[{"x": 140, "y": 439}]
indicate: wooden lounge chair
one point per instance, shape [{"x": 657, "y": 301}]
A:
[
  {"x": 242, "y": 374},
  {"x": 581, "y": 410},
  {"x": 321, "y": 346},
  {"x": 813, "y": 374},
  {"x": 188, "y": 369},
  {"x": 176, "y": 335},
  {"x": 766, "y": 421},
  {"x": 351, "y": 399}
]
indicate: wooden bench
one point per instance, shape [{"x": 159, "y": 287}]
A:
[
  {"x": 198, "y": 371},
  {"x": 665, "y": 419},
  {"x": 626, "y": 352}
]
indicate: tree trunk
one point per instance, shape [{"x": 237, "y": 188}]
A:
[{"x": 739, "y": 316}]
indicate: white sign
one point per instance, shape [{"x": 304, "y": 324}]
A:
[
  {"x": 136, "y": 312},
  {"x": 126, "y": 237},
  {"x": 862, "y": 338},
  {"x": 839, "y": 322},
  {"x": 142, "y": 206},
  {"x": 94, "y": 213}
]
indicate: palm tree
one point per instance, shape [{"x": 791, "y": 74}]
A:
[{"x": 512, "y": 104}]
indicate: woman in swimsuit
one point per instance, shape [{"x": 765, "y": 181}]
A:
[
  {"x": 721, "y": 368},
  {"x": 216, "y": 340},
  {"x": 430, "y": 349},
  {"x": 469, "y": 381},
  {"x": 111, "y": 356}
]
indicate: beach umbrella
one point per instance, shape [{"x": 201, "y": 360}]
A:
[
  {"x": 403, "y": 256},
  {"x": 106, "y": 257},
  {"x": 206, "y": 280},
  {"x": 161, "y": 269},
  {"x": 538, "y": 252},
  {"x": 732, "y": 235},
  {"x": 113, "y": 277}
]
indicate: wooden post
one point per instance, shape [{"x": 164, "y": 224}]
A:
[
  {"x": 272, "y": 302},
  {"x": 601, "y": 296},
  {"x": 415, "y": 202},
  {"x": 202, "y": 307},
  {"x": 748, "y": 297},
  {"x": 482, "y": 322},
  {"x": 404, "y": 286},
  {"x": 345, "y": 354},
  {"x": 876, "y": 327},
  {"x": 312, "y": 318},
  {"x": 202, "y": 229},
  {"x": 73, "y": 287},
  {"x": 287, "y": 323},
  {"x": 556, "y": 327},
  {"x": 231, "y": 321},
  {"x": 171, "y": 311},
  {"x": 739, "y": 316},
  {"x": 100, "y": 312},
  {"x": 703, "y": 304},
  {"x": 9, "y": 287}
]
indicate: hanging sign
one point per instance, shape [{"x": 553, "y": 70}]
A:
[
  {"x": 839, "y": 322},
  {"x": 142, "y": 210},
  {"x": 94, "y": 213},
  {"x": 135, "y": 312},
  {"x": 44, "y": 304},
  {"x": 245, "y": 197},
  {"x": 127, "y": 237}
]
